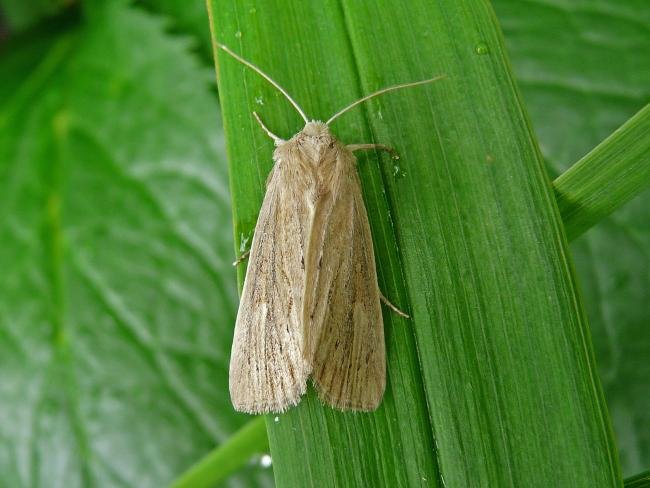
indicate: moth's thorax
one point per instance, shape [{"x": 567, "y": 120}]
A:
[{"x": 315, "y": 144}]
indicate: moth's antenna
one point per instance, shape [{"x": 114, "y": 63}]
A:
[
  {"x": 267, "y": 78},
  {"x": 380, "y": 92}
]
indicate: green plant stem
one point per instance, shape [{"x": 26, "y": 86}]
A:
[
  {"x": 229, "y": 457},
  {"x": 607, "y": 177}
]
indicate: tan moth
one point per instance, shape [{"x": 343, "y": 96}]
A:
[{"x": 310, "y": 307}]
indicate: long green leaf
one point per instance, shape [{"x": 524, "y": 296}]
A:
[
  {"x": 496, "y": 364},
  {"x": 606, "y": 178}
]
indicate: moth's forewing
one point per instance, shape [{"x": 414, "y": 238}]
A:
[
  {"x": 343, "y": 321},
  {"x": 267, "y": 369}
]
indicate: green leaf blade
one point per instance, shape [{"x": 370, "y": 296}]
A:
[
  {"x": 469, "y": 236},
  {"x": 288, "y": 430},
  {"x": 608, "y": 177}
]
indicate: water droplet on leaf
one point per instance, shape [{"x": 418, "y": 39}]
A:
[{"x": 481, "y": 48}]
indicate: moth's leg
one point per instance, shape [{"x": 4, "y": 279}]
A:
[
  {"x": 241, "y": 258},
  {"x": 393, "y": 307},
  {"x": 382, "y": 147},
  {"x": 276, "y": 140}
]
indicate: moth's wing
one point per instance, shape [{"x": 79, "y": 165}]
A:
[
  {"x": 267, "y": 369},
  {"x": 344, "y": 312}
]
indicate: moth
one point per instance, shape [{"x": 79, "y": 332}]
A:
[{"x": 310, "y": 305}]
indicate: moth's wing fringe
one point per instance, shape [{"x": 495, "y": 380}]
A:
[
  {"x": 267, "y": 369},
  {"x": 336, "y": 403}
]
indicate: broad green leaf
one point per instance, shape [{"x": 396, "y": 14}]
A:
[
  {"x": 584, "y": 70},
  {"x": 492, "y": 383},
  {"x": 117, "y": 296}
]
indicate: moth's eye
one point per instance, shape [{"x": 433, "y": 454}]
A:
[{"x": 331, "y": 144}]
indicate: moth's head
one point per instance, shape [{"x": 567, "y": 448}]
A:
[
  {"x": 313, "y": 141},
  {"x": 316, "y": 130}
]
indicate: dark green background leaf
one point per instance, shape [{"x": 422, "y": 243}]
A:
[
  {"x": 188, "y": 16},
  {"x": 584, "y": 69},
  {"x": 116, "y": 281},
  {"x": 21, "y": 14}
]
